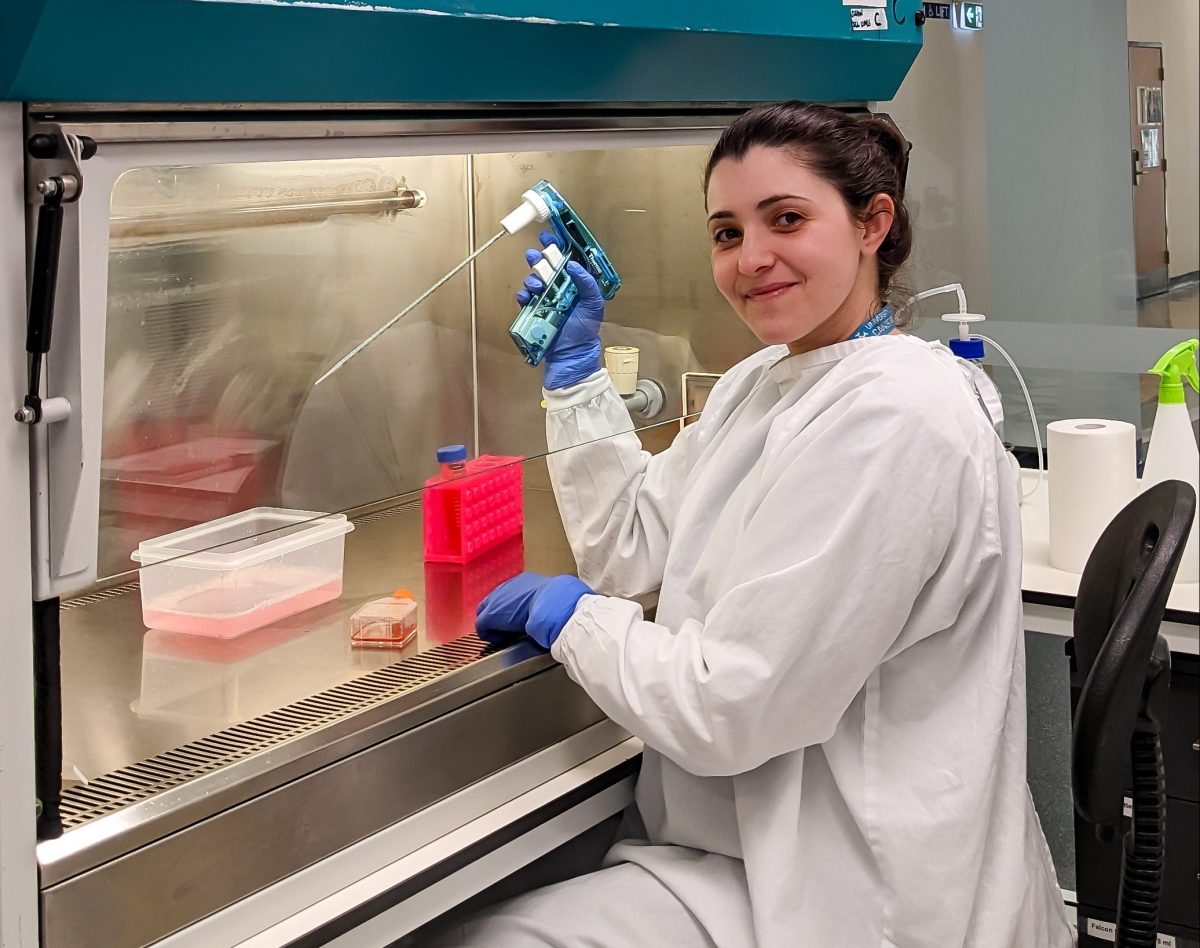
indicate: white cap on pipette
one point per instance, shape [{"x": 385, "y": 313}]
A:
[{"x": 533, "y": 207}]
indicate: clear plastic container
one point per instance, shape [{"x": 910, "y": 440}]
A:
[
  {"x": 241, "y": 572},
  {"x": 390, "y": 622}
]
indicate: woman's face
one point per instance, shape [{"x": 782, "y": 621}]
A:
[{"x": 787, "y": 253}]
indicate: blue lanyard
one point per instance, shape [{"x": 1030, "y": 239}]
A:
[{"x": 878, "y": 325}]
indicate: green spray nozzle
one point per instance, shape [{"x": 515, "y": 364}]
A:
[{"x": 1178, "y": 363}]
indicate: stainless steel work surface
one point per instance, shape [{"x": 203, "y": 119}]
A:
[
  {"x": 144, "y": 893},
  {"x": 285, "y": 742},
  {"x": 130, "y": 693}
]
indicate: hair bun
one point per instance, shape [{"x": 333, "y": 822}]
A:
[{"x": 881, "y": 129}]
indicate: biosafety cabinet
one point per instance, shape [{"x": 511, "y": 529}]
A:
[{"x": 205, "y": 204}]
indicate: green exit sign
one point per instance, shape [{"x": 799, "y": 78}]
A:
[{"x": 970, "y": 16}]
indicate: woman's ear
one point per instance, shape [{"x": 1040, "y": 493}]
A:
[{"x": 877, "y": 222}]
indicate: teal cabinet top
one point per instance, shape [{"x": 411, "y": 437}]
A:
[{"x": 439, "y": 51}]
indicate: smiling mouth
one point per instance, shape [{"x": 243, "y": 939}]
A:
[{"x": 769, "y": 291}]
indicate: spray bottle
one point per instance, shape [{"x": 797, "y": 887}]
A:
[{"x": 1172, "y": 454}]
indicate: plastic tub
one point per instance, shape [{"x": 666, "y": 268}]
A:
[{"x": 228, "y": 576}]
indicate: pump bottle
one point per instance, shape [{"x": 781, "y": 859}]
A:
[
  {"x": 1172, "y": 454},
  {"x": 970, "y": 349}
]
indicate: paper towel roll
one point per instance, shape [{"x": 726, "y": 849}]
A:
[{"x": 1093, "y": 474}]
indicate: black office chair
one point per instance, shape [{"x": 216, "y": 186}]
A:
[{"x": 1125, "y": 667}]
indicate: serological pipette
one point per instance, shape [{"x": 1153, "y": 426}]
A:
[{"x": 533, "y": 207}]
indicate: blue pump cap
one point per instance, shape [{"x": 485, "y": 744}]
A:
[
  {"x": 968, "y": 348},
  {"x": 451, "y": 453}
]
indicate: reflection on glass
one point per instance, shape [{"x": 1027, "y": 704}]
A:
[
  {"x": 230, "y": 288},
  {"x": 233, "y": 287},
  {"x": 206, "y": 683},
  {"x": 453, "y": 591}
]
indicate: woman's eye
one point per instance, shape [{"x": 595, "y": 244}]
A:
[
  {"x": 724, "y": 235},
  {"x": 789, "y": 219}
]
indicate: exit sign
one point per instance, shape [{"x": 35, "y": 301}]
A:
[{"x": 969, "y": 16}]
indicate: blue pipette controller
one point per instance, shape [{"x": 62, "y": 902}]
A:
[{"x": 538, "y": 323}]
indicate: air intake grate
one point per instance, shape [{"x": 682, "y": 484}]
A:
[
  {"x": 111, "y": 593},
  {"x": 127, "y": 786},
  {"x": 389, "y": 512}
]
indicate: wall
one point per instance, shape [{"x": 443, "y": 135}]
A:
[
  {"x": 1176, "y": 24},
  {"x": 940, "y": 109},
  {"x": 1060, "y": 209}
]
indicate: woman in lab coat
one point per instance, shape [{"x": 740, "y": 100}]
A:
[{"x": 832, "y": 693}]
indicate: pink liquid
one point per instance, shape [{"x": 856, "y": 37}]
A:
[
  {"x": 226, "y": 627},
  {"x": 383, "y": 633}
]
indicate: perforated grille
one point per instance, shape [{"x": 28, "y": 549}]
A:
[
  {"x": 385, "y": 514},
  {"x": 127, "y": 786},
  {"x": 111, "y": 593}
]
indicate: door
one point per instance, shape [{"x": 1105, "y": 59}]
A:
[{"x": 1148, "y": 154}]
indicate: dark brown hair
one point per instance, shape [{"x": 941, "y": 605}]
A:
[{"x": 861, "y": 157}]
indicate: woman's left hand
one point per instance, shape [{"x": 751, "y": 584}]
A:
[{"x": 532, "y": 603}]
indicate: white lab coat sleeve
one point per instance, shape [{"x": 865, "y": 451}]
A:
[
  {"x": 617, "y": 501},
  {"x": 829, "y": 574}
]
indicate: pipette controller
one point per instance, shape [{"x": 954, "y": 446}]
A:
[{"x": 538, "y": 323}]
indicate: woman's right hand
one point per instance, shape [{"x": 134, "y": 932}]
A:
[{"x": 575, "y": 353}]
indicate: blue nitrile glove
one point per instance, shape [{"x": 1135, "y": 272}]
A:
[
  {"x": 575, "y": 352},
  {"x": 504, "y": 612},
  {"x": 532, "y": 603},
  {"x": 553, "y": 607}
]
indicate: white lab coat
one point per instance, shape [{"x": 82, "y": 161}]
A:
[{"x": 832, "y": 694}]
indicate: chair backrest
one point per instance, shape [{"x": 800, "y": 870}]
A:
[{"x": 1118, "y": 610}]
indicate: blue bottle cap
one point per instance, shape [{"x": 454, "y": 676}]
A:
[
  {"x": 451, "y": 453},
  {"x": 968, "y": 348}
]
